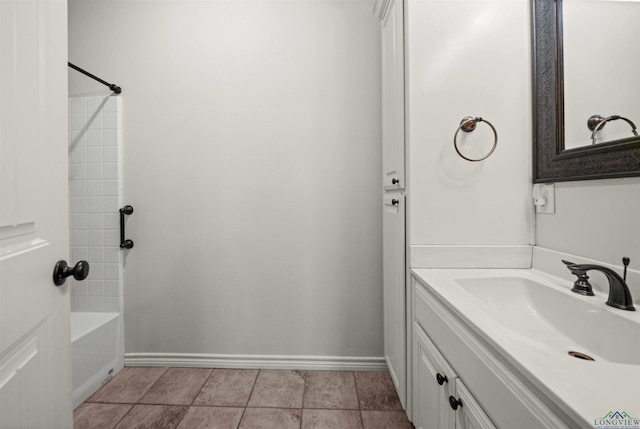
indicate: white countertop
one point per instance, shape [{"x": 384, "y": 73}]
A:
[{"x": 584, "y": 390}]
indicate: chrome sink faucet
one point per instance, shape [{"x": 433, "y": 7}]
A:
[{"x": 619, "y": 294}]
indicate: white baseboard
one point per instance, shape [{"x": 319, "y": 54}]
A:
[{"x": 188, "y": 360}]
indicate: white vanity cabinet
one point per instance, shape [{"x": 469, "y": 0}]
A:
[
  {"x": 437, "y": 389},
  {"x": 491, "y": 392}
]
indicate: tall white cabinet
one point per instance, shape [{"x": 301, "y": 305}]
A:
[
  {"x": 393, "y": 144},
  {"x": 442, "y": 61},
  {"x": 391, "y": 14}
]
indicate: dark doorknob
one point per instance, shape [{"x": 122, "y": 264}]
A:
[
  {"x": 454, "y": 403},
  {"x": 62, "y": 270}
]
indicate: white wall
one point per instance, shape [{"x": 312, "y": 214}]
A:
[
  {"x": 595, "y": 219},
  {"x": 252, "y": 159},
  {"x": 468, "y": 58}
]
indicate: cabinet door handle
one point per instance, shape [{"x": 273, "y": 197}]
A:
[
  {"x": 395, "y": 181},
  {"x": 441, "y": 379},
  {"x": 394, "y": 202},
  {"x": 454, "y": 403}
]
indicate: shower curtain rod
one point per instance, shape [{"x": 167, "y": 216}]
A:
[{"x": 112, "y": 86}]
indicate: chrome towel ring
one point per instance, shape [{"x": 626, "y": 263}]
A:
[{"x": 468, "y": 124}]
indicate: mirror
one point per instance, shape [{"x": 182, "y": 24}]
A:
[
  {"x": 600, "y": 70},
  {"x": 569, "y": 89}
]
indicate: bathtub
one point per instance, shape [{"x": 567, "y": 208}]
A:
[{"x": 97, "y": 351}]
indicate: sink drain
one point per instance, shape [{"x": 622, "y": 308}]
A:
[{"x": 581, "y": 356}]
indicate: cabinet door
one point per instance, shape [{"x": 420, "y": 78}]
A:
[
  {"x": 394, "y": 291},
  {"x": 434, "y": 382},
  {"x": 393, "y": 96},
  {"x": 470, "y": 415}
]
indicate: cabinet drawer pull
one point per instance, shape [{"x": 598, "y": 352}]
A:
[
  {"x": 395, "y": 181},
  {"x": 454, "y": 403},
  {"x": 394, "y": 202},
  {"x": 441, "y": 379}
]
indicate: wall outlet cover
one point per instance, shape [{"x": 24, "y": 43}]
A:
[{"x": 544, "y": 198}]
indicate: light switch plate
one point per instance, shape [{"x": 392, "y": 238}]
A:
[{"x": 544, "y": 198}]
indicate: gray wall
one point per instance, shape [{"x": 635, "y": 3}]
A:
[
  {"x": 595, "y": 219},
  {"x": 252, "y": 159}
]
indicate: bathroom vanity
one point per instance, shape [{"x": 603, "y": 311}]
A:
[{"x": 492, "y": 348}]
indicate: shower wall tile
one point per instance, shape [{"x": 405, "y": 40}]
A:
[
  {"x": 110, "y": 121},
  {"x": 110, "y": 154},
  {"x": 94, "y": 171},
  {"x": 110, "y": 187},
  {"x": 78, "y": 105},
  {"x": 79, "y": 289},
  {"x": 79, "y": 303},
  {"x": 94, "y": 154},
  {"x": 112, "y": 304},
  {"x": 77, "y": 172},
  {"x": 78, "y": 155},
  {"x": 95, "y": 195},
  {"x": 96, "y": 254},
  {"x": 78, "y": 188},
  {"x": 94, "y": 188},
  {"x": 95, "y": 221},
  {"x": 79, "y": 253},
  {"x": 96, "y": 304},
  {"x": 78, "y": 221},
  {"x": 96, "y": 138}
]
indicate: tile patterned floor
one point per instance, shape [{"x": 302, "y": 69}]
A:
[{"x": 195, "y": 398}]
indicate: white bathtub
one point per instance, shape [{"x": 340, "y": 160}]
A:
[{"x": 97, "y": 351}]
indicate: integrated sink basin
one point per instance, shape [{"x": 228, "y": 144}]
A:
[
  {"x": 529, "y": 320},
  {"x": 540, "y": 311}
]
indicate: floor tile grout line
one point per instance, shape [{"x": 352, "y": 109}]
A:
[
  {"x": 305, "y": 387},
  {"x": 301, "y": 416},
  {"x": 355, "y": 383},
  {"x": 202, "y": 387},
  {"x": 154, "y": 383},
  {"x": 253, "y": 387},
  {"x": 172, "y": 405},
  {"x": 248, "y": 399},
  {"x": 123, "y": 417},
  {"x": 304, "y": 394},
  {"x": 241, "y": 417}
]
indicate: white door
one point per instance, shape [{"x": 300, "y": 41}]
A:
[
  {"x": 394, "y": 290},
  {"x": 35, "y": 349},
  {"x": 435, "y": 382},
  {"x": 393, "y": 96}
]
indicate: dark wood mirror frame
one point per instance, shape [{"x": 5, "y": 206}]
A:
[{"x": 551, "y": 162}]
